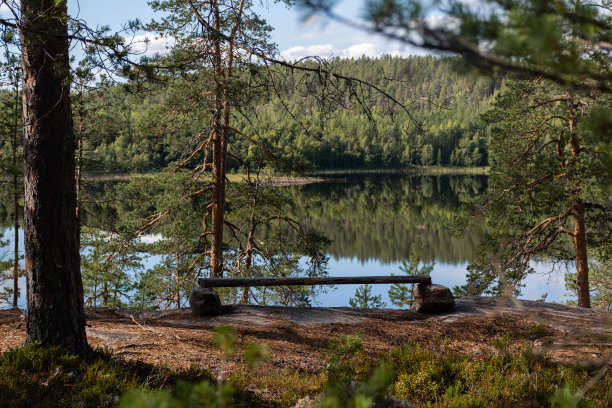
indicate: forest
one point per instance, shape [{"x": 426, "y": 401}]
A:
[
  {"x": 440, "y": 127},
  {"x": 128, "y": 177}
]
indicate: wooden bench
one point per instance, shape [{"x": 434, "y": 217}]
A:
[
  {"x": 307, "y": 281},
  {"x": 429, "y": 298}
]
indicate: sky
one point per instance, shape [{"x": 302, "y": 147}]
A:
[{"x": 294, "y": 37}]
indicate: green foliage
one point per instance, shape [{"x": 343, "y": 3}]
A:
[
  {"x": 566, "y": 397},
  {"x": 256, "y": 355},
  {"x": 353, "y": 380},
  {"x": 47, "y": 377},
  {"x": 107, "y": 276},
  {"x": 185, "y": 395},
  {"x": 5, "y": 264},
  {"x": 346, "y": 360},
  {"x": 600, "y": 281},
  {"x": 442, "y": 377},
  {"x": 364, "y": 299},
  {"x": 285, "y": 386},
  {"x": 543, "y": 169},
  {"x": 367, "y": 394},
  {"x": 401, "y": 294},
  {"x": 512, "y": 377},
  {"x": 224, "y": 338},
  {"x": 556, "y": 40},
  {"x": 257, "y": 214},
  {"x": 124, "y": 133},
  {"x": 11, "y": 156},
  {"x": 203, "y": 394}
]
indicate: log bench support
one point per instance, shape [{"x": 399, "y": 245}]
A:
[{"x": 429, "y": 298}]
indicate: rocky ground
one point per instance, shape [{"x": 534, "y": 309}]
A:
[{"x": 298, "y": 338}]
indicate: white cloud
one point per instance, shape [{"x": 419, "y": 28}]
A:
[
  {"x": 148, "y": 44},
  {"x": 299, "y": 52},
  {"x": 377, "y": 47}
]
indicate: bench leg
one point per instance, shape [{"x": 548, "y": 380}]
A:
[
  {"x": 432, "y": 298},
  {"x": 204, "y": 302}
]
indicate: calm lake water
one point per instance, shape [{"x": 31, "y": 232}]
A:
[{"x": 372, "y": 221}]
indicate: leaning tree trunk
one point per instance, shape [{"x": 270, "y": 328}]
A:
[
  {"x": 582, "y": 263},
  {"x": 55, "y": 313}
]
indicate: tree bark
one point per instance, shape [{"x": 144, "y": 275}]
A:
[
  {"x": 248, "y": 258},
  {"x": 79, "y": 176},
  {"x": 582, "y": 263},
  {"x": 16, "y": 188},
  {"x": 55, "y": 315},
  {"x": 219, "y": 153}
]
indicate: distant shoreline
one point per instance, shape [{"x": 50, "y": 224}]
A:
[
  {"x": 317, "y": 176},
  {"x": 432, "y": 170}
]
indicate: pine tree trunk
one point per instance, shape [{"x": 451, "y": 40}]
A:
[
  {"x": 16, "y": 237},
  {"x": 219, "y": 151},
  {"x": 582, "y": 263},
  {"x": 79, "y": 177},
  {"x": 248, "y": 258},
  {"x": 16, "y": 189},
  {"x": 55, "y": 313},
  {"x": 218, "y": 203}
]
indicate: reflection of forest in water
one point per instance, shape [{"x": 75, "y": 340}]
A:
[
  {"x": 367, "y": 217},
  {"x": 378, "y": 218}
]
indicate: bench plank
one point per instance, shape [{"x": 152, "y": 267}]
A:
[{"x": 327, "y": 280}]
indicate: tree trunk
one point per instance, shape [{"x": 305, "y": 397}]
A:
[
  {"x": 16, "y": 189},
  {"x": 219, "y": 151},
  {"x": 582, "y": 263},
  {"x": 79, "y": 176},
  {"x": 55, "y": 313},
  {"x": 248, "y": 258},
  {"x": 16, "y": 237}
]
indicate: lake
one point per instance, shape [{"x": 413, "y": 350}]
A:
[{"x": 372, "y": 221}]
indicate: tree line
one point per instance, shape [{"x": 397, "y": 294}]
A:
[{"x": 127, "y": 134}]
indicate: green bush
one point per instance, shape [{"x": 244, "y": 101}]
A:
[{"x": 507, "y": 378}]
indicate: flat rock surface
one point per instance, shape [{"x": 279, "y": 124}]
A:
[{"x": 298, "y": 338}]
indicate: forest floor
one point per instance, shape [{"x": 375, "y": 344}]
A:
[{"x": 298, "y": 338}]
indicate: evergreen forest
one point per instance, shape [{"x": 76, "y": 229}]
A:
[{"x": 439, "y": 126}]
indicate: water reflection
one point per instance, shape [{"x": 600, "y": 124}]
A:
[
  {"x": 371, "y": 221},
  {"x": 378, "y": 218}
]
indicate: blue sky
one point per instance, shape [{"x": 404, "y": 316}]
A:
[{"x": 295, "y": 39}]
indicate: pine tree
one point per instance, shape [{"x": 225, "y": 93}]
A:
[{"x": 364, "y": 299}]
